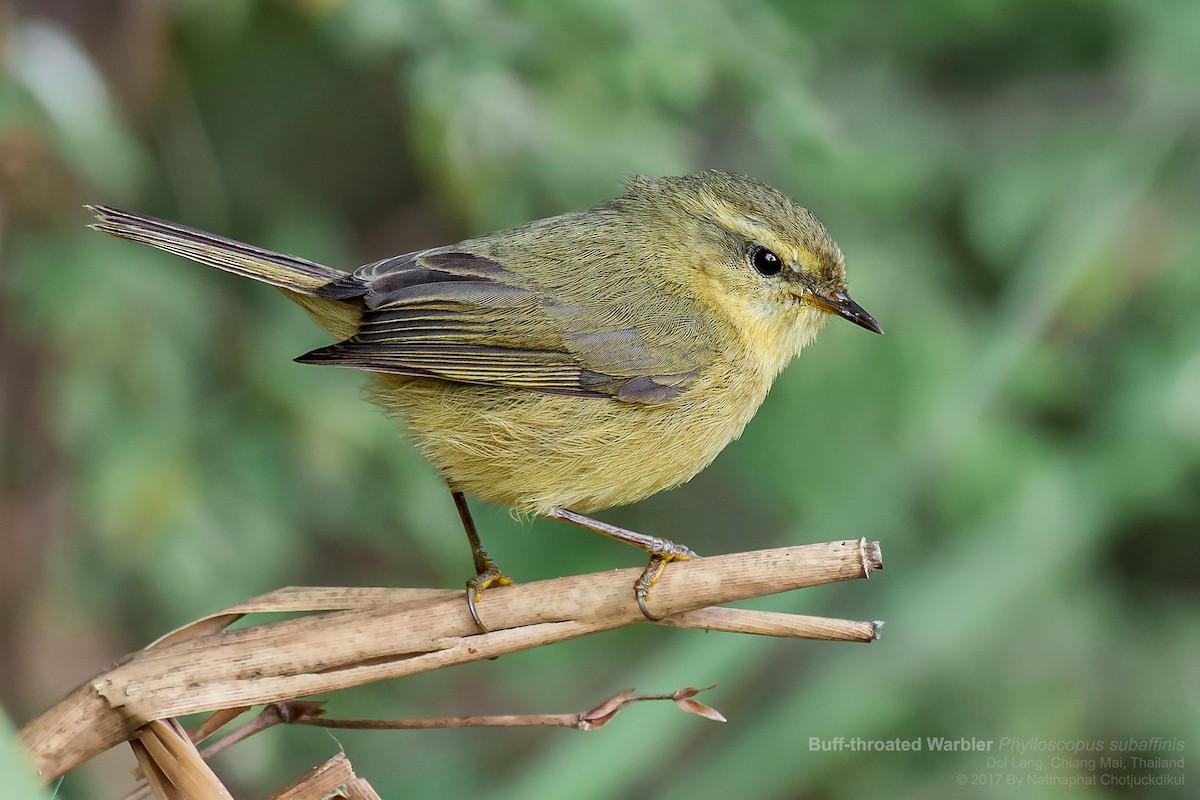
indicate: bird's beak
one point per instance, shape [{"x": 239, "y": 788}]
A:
[{"x": 841, "y": 304}]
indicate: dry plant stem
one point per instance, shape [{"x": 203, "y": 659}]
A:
[
  {"x": 172, "y": 766},
  {"x": 334, "y": 778},
  {"x": 282, "y": 713},
  {"x": 277, "y": 714},
  {"x": 773, "y": 623},
  {"x": 432, "y": 723},
  {"x": 201, "y": 668},
  {"x": 267, "y": 718},
  {"x": 300, "y": 712},
  {"x": 155, "y": 782}
]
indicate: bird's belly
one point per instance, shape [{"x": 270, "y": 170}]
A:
[{"x": 531, "y": 451}]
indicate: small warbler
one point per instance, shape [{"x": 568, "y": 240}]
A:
[{"x": 578, "y": 362}]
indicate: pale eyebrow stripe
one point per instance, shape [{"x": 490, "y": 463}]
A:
[
  {"x": 757, "y": 230},
  {"x": 733, "y": 218},
  {"x": 751, "y": 228}
]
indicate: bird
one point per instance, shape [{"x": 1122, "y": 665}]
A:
[{"x": 575, "y": 363}]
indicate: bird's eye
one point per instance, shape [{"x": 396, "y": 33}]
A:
[{"x": 766, "y": 262}]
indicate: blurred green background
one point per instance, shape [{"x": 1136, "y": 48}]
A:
[{"x": 1016, "y": 188}]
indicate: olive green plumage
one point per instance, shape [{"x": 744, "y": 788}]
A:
[{"x": 582, "y": 361}]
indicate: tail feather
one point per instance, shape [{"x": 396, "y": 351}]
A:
[{"x": 277, "y": 269}]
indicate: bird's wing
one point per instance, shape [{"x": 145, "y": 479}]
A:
[{"x": 462, "y": 317}]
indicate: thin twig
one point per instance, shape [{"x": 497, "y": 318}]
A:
[{"x": 302, "y": 712}]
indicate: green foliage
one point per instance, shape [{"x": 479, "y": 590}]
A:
[{"x": 1014, "y": 186}]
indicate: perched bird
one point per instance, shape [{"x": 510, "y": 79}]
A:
[{"x": 578, "y": 362}]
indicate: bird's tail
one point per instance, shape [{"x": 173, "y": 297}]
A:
[{"x": 286, "y": 272}]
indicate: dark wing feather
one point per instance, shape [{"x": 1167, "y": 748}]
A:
[{"x": 461, "y": 317}]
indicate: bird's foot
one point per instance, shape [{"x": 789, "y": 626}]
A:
[
  {"x": 487, "y": 575},
  {"x": 664, "y": 553}
]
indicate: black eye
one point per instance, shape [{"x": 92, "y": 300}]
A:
[{"x": 765, "y": 261}]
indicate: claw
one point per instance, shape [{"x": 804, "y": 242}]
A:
[
  {"x": 472, "y": 596},
  {"x": 477, "y": 586},
  {"x": 641, "y": 601},
  {"x": 654, "y": 570}
]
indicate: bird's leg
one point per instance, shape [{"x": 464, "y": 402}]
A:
[
  {"x": 662, "y": 551},
  {"x": 487, "y": 573}
]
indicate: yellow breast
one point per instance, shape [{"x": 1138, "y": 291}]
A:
[{"x": 532, "y": 452}]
